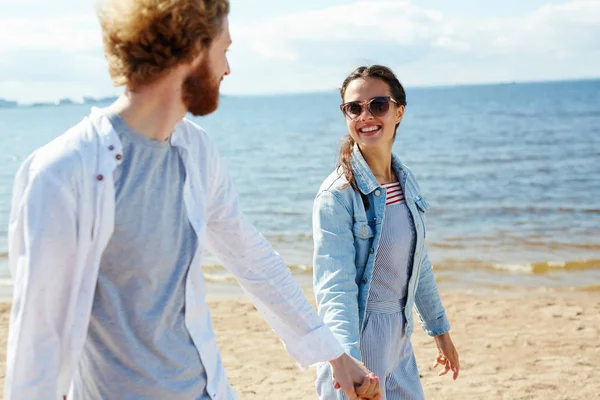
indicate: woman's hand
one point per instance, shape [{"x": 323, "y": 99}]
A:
[
  {"x": 447, "y": 355},
  {"x": 357, "y": 382}
]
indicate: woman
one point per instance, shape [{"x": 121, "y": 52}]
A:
[{"x": 370, "y": 263}]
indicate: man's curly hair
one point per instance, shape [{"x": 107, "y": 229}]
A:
[{"x": 144, "y": 39}]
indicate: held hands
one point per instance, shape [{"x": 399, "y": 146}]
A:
[
  {"x": 447, "y": 355},
  {"x": 355, "y": 379}
]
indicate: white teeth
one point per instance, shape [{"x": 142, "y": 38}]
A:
[{"x": 369, "y": 129}]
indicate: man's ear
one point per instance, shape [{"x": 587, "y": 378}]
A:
[{"x": 198, "y": 59}]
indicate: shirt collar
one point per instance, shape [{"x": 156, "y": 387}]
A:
[{"x": 365, "y": 180}]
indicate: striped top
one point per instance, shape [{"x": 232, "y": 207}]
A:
[
  {"x": 394, "y": 193},
  {"x": 393, "y": 260}
]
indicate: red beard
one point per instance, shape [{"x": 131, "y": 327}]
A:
[{"x": 200, "y": 91}]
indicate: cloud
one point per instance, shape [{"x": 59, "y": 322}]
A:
[
  {"x": 551, "y": 30},
  {"x": 424, "y": 45},
  {"x": 353, "y": 25},
  {"x": 572, "y": 26},
  {"x": 69, "y": 33},
  {"x": 44, "y": 58},
  {"x": 314, "y": 50}
]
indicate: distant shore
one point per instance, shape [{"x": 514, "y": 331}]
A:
[
  {"x": 61, "y": 102},
  {"x": 7, "y": 103}
]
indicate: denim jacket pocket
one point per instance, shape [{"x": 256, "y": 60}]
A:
[
  {"x": 363, "y": 238},
  {"x": 422, "y": 204},
  {"x": 423, "y": 207},
  {"x": 362, "y": 230}
]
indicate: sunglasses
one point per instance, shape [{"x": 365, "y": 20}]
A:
[{"x": 377, "y": 106}]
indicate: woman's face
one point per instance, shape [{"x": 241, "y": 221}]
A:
[{"x": 368, "y": 130}]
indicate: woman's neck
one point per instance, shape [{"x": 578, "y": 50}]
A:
[{"x": 380, "y": 163}]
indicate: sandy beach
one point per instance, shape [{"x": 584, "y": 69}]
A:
[{"x": 521, "y": 345}]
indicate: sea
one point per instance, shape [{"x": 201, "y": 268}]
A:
[{"x": 511, "y": 171}]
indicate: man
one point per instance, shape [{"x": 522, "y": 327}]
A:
[{"x": 109, "y": 222}]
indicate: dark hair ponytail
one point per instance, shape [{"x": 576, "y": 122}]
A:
[
  {"x": 346, "y": 147},
  {"x": 345, "y": 162},
  {"x": 398, "y": 93}
]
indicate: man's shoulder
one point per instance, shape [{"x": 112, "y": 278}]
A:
[
  {"x": 63, "y": 157},
  {"x": 194, "y": 136}
]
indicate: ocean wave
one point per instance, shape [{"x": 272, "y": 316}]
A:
[
  {"x": 539, "y": 267},
  {"x": 219, "y": 278},
  {"x": 545, "y": 267},
  {"x": 220, "y": 275},
  {"x": 519, "y": 210},
  {"x": 468, "y": 239},
  {"x": 559, "y": 245},
  {"x": 212, "y": 267},
  {"x": 300, "y": 268},
  {"x": 543, "y": 114},
  {"x": 591, "y": 288},
  {"x": 479, "y": 243},
  {"x": 288, "y": 212},
  {"x": 288, "y": 237},
  {"x": 449, "y": 246}
]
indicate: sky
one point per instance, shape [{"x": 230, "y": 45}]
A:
[{"x": 52, "y": 49}]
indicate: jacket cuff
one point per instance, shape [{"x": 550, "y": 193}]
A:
[
  {"x": 353, "y": 351},
  {"x": 316, "y": 347},
  {"x": 438, "y": 326}
]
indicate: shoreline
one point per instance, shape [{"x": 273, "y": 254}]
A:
[
  {"x": 468, "y": 276},
  {"x": 216, "y": 291},
  {"x": 528, "y": 345}
]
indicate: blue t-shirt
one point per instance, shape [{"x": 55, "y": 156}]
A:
[{"x": 138, "y": 346}]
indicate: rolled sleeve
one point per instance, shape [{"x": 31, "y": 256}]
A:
[{"x": 428, "y": 302}]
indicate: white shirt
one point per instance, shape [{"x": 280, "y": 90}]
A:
[{"x": 62, "y": 217}]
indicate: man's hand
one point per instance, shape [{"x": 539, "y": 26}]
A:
[{"x": 355, "y": 379}]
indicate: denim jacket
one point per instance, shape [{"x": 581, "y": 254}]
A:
[{"x": 346, "y": 238}]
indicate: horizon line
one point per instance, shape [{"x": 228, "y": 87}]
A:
[{"x": 68, "y": 100}]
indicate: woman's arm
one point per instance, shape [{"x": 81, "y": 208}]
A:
[
  {"x": 334, "y": 271},
  {"x": 428, "y": 303}
]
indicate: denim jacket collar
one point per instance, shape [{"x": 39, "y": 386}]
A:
[{"x": 365, "y": 180}]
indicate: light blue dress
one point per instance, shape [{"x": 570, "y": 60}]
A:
[{"x": 384, "y": 346}]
